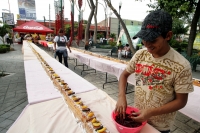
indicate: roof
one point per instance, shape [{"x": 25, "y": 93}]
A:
[{"x": 33, "y": 26}]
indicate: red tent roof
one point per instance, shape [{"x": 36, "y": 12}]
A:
[{"x": 33, "y": 26}]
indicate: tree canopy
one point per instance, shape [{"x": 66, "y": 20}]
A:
[
  {"x": 178, "y": 9},
  {"x": 178, "y": 27}
]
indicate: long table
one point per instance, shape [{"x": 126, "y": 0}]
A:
[
  {"x": 192, "y": 108},
  {"x": 55, "y": 116},
  {"x": 103, "y": 65}
]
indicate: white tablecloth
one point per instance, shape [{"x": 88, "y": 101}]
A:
[
  {"x": 84, "y": 58},
  {"x": 52, "y": 116},
  {"x": 38, "y": 84},
  {"x": 192, "y": 108},
  {"x": 55, "y": 116}
]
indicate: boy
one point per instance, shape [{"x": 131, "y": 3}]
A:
[{"x": 163, "y": 76}]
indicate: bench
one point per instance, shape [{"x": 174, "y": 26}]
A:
[{"x": 114, "y": 50}]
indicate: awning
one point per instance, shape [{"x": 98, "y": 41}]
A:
[{"x": 34, "y": 27}]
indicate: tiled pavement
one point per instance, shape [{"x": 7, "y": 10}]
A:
[{"x": 13, "y": 97}]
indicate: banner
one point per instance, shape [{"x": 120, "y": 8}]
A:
[
  {"x": 8, "y": 18},
  {"x": 197, "y": 42},
  {"x": 27, "y": 9}
]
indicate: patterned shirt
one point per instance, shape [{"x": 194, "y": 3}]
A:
[{"x": 157, "y": 81}]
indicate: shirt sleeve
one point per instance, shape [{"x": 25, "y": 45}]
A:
[
  {"x": 56, "y": 39},
  {"x": 66, "y": 38},
  {"x": 183, "y": 82}
]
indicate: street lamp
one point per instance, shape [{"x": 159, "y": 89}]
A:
[{"x": 120, "y": 5}]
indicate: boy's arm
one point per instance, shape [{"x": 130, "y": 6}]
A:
[{"x": 121, "y": 102}]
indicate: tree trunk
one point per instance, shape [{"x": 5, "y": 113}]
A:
[
  {"x": 123, "y": 25},
  {"x": 89, "y": 22},
  {"x": 95, "y": 20},
  {"x": 193, "y": 29}
]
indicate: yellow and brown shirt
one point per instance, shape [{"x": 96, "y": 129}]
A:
[{"x": 157, "y": 81}]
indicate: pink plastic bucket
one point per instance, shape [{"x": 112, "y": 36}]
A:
[{"x": 123, "y": 129}]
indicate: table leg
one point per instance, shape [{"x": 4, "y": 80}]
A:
[
  {"x": 109, "y": 81},
  {"x": 126, "y": 89},
  {"x": 71, "y": 59},
  {"x": 87, "y": 69},
  {"x": 76, "y": 64}
]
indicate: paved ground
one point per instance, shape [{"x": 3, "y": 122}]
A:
[{"x": 13, "y": 97}]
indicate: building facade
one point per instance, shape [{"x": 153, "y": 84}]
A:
[{"x": 112, "y": 24}]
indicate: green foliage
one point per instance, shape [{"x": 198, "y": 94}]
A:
[
  {"x": 174, "y": 43},
  {"x": 4, "y": 29},
  {"x": 184, "y": 44},
  {"x": 179, "y": 46},
  {"x": 100, "y": 35},
  {"x": 178, "y": 27},
  {"x": 85, "y": 21},
  {"x": 4, "y": 48},
  {"x": 177, "y": 8},
  {"x": 112, "y": 43},
  {"x": 68, "y": 29},
  {"x": 113, "y": 35}
]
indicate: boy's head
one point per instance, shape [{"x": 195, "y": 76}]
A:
[
  {"x": 155, "y": 32},
  {"x": 155, "y": 24}
]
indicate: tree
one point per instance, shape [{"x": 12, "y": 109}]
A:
[
  {"x": 4, "y": 29},
  {"x": 68, "y": 29},
  {"x": 179, "y": 8},
  {"x": 178, "y": 27},
  {"x": 112, "y": 35},
  {"x": 123, "y": 25},
  {"x": 91, "y": 4},
  {"x": 95, "y": 21}
]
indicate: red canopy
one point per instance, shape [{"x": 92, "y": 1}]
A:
[{"x": 33, "y": 26}]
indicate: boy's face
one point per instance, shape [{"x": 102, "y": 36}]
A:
[{"x": 159, "y": 46}]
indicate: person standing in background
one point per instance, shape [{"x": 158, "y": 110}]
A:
[
  {"x": 7, "y": 38},
  {"x": 119, "y": 52},
  {"x": 61, "y": 50}
]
